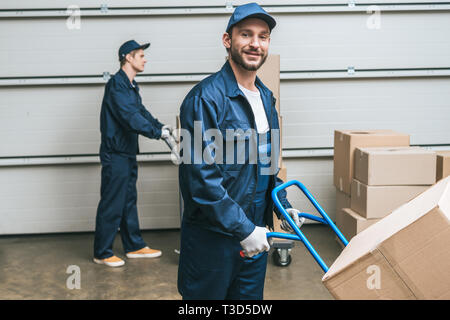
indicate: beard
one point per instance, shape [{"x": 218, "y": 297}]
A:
[{"x": 238, "y": 59}]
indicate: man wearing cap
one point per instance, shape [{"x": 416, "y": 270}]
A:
[
  {"x": 227, "y": 204},
  {"x": 123, "y": 117}
]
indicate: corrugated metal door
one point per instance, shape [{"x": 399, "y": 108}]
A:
[{"x": 342, "y": 67}]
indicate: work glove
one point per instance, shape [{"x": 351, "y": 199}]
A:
[
  {"x": 168, "y": 127},
  {"x": 256, "y": 242},
  {"x": 166, "y": 131},
  {"x": 293, "y": 213},
  {"x": 172, "y": 133}
]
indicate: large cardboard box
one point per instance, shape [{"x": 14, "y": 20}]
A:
[
  {"x": 373, "y": 202},
  {"x": 395, "y": 166},
  {"x": 442, "y": 164},
  {"x": 351, "y": 223},
  {"x": 405, "y": 255},
  {"x": 345, "y": 143}
]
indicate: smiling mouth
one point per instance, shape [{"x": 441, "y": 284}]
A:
[{"x": 252, "y": 54}]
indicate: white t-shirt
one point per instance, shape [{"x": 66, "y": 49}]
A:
[{"x": 254, "y": 98}]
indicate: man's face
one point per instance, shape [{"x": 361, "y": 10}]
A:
[
  {"x": 138, "y": 60},
  {"x": 249, "y": 45}
]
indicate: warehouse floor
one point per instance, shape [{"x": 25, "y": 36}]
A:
[{"x": 38, "y": 267}]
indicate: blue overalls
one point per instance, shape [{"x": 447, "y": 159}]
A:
[
  {"x": 214, "y": 269},
  {"x": 122, "y": 118}
]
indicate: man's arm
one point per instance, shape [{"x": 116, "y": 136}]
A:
[
  {"x": 128, "y": 114},
  {"x": 203, "y": 182},
  {"x": 150, "y": 118}
]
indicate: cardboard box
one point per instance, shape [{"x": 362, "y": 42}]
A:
[
  {"x": 395, "y": 166},
  {"x": 269, "y": 73},
  {"x": 177, "y": 123},
  {"x": 405, "y": 255},
  {"x": 342, "y": 201},
  {"x": 277, "y": 222},
  {"x": 373, "y": 202},
  {"x": 345, "y": 142},
  {"x": 351, "y": 223},
  {"x": 442, "y": 164}
]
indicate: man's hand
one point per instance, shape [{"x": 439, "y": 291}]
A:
[
  {"x": 294, "y": 215},
  {"x": 166, "y": 131},
  {"x": 168, "y": 127},
  {"x": 256, "y": 242}
]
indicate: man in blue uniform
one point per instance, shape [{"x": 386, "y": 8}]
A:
[
  {"x": 123, "y": 117},
  {"x": 227, "y": 204}
]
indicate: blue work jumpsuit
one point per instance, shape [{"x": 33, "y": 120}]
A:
[
  {"x": 123, "y": 117},
  {"x": 223, "y": 202}
]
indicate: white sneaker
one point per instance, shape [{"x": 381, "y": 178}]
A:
[
  {"x": 144, "y": 253},
  {"x": 110, "y": 262}
]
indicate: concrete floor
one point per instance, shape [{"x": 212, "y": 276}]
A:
[{"x": 35, "y": 267}]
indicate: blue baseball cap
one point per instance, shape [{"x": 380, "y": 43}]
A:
[
  {"x": 250, "y": 10},
  {"x": 129, "y": 46}
]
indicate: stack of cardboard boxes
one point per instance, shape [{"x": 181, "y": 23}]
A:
[
  {"x": 396, "y": 218},
  {"x": 375, "y": 172},
  {"x": 405, "y": 255},
  {"x": 386, "y": 178}
]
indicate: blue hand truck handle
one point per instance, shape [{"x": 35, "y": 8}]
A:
[{"x": 299, "y": 236}]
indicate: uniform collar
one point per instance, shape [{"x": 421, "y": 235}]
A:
[
  {"x": 125, "y": 79},
  {"x": 231, "y": 85}
]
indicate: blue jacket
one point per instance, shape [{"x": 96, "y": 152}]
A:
[
  {"x": 123, "y": 117},
  {"x": 216, "y": 196}
]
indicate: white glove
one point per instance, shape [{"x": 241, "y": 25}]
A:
[
  {"x": 166, "y": 132},
  {"x": 256, "y": 242},
  {"x": 168, "y": 127},
  {"x": 294, "y": 215}
]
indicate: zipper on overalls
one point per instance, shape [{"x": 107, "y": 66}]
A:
[
  {"x": 274, "y": 101},
  {"x": 269, "y": 120},
  {"x": 257, "y": 145}
]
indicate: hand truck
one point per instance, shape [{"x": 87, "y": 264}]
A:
[{"x": 299, "y": 236}]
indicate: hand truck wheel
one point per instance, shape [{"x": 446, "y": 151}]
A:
[{"x": 282, "y": 257}]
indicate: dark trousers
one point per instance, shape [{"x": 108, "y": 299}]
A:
[
  {"x": 211, "y": 267},
  {"x": 117, "y": 207}
]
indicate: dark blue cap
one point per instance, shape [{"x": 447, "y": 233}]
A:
[
  {"x": 250, "y": 10},
  {"x": 129, "y": 46}
]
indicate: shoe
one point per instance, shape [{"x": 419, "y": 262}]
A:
[
  {"x": 110, "y": 262},
  {"x": 144, "y": 253}
]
